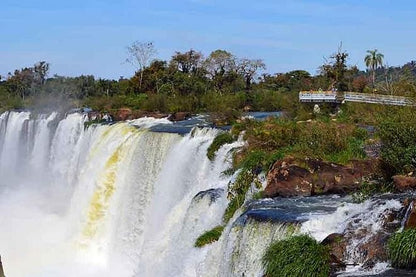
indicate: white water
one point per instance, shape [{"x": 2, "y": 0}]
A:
[{"x": 104, "y": 201}]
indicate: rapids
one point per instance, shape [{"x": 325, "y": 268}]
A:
[{"x": 129, "y": 199}]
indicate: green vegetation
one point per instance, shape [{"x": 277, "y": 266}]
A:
[
  {"x": 237, "y": 192},
  {"x": 402, "y": 249},
  {"x": 221, "y": 84},
  {"x": 398, "y": 137},
  {"x": 370, "y": 188},
  {"x": 373, "y": 60},
  {"x": 220, "y": 140},
  {"x": 92, "y": 122},
  {"x": 297, "y": 256},
  {"x": 273, "y": 139},
  {"x": 209, "y": 236}
]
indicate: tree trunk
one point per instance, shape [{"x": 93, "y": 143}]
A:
[
  {"x": 374, "y": 78},
  {"x": 141, "y": 78},
  {"x": 1, "y": 269}
]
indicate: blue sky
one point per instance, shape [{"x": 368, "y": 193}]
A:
[{"x": 90, "y": 36}]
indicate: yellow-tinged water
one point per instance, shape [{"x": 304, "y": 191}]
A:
[
  {"x": 101, "y": 196},
  {"x": 106, "y": 182}
]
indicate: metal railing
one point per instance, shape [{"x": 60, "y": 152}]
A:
[{"x": 340, "y": 97}]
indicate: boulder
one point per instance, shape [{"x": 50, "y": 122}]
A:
[
  {"x": 374, "y": 249},
  {"x": 410, "y": 216},
  {"x": 211, "y": 194},
  {"x": 305, "y": 177},
  {"x": 179, "y": 116},
  {"x": 337, "y": 245},
  {"x": 403, "y": 183}
]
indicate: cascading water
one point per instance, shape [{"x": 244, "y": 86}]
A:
[
  {"x": 108, "y": 200},
  {"x": 122, "y": 200}
]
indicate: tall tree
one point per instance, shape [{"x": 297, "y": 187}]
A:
[
  {"x": 218, "y": 65},
  {"x": 248, "y": 69},
  {"x": 188, "y": 62},
  {"x": 336, "y": 68},
  {"x": 41, "y": 71},
  {"x": 140, "y": 54},
  {"x": 373, "y": 60}
]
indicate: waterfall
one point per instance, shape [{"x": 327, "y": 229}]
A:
[{"x": 107, "y": 200}]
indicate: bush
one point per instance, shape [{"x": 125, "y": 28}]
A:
[
  {"x": 402, "y": 249},
  {"x": 209, "y": 236},
  {"x": 232, "y": 207},
  {"x": 398, "y": 151},
  {"x": 297, "y": 256},
  {"x": 237, "y": 192},
  {"x": 220, "y": 140}
]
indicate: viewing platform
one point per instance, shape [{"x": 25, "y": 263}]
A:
[{"x": 341, "y": 97}]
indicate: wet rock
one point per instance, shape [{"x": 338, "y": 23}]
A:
[
  {"x": 374, "y": 249},
  {"x": 306, "y": 177},
  {"x": 404, "y": 183},
  {"x": 371, "y": 247},
  {"x": 212, "y": 194},
  {"x": 179, "y": 116},
  {"x": 410, "y": 216},
  {"x": 337, "y": 246}
]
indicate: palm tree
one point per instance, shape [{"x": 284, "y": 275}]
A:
[{"x": 373, "y": 60}]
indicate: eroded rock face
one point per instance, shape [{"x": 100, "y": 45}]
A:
[
  {"x": 404, "y": 183},
  {"x": 305, "y": 177}
]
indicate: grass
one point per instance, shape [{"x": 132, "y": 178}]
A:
[
  {"x": 402, "y": 249},
  {"x": 209, "y": 236},
  {"x": 296, "y": 256},
  {"x": 220, "y": 140},
  {"x": 274, "y": 139}
]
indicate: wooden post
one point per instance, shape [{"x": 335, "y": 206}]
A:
[{"x": 1, "y": 269}]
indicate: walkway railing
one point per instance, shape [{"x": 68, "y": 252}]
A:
[{"x": 334, "y": 97}]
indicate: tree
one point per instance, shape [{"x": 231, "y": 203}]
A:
[
  {"x": 373, "y": 60},
  {"x": 218, "y": 65},
  {"x": 248, "y": 69},
  {"x": 336, "y": 68},
  {"x": 140, "y": 55},
  {"x": 41, "y": 71},
  {"x": 188, "y": 62}
]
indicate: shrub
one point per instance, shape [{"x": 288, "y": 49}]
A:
[
  {"x": 297, "y": 256},
  {"x": 232, "y": 207},
  {"x": 220, "y": 140},
  {"x": 209, "y": 236},
  {"x": 402, "y": 249},
  {"x": 237, "y": 192},
  {"x": 398, "y": 151}
]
